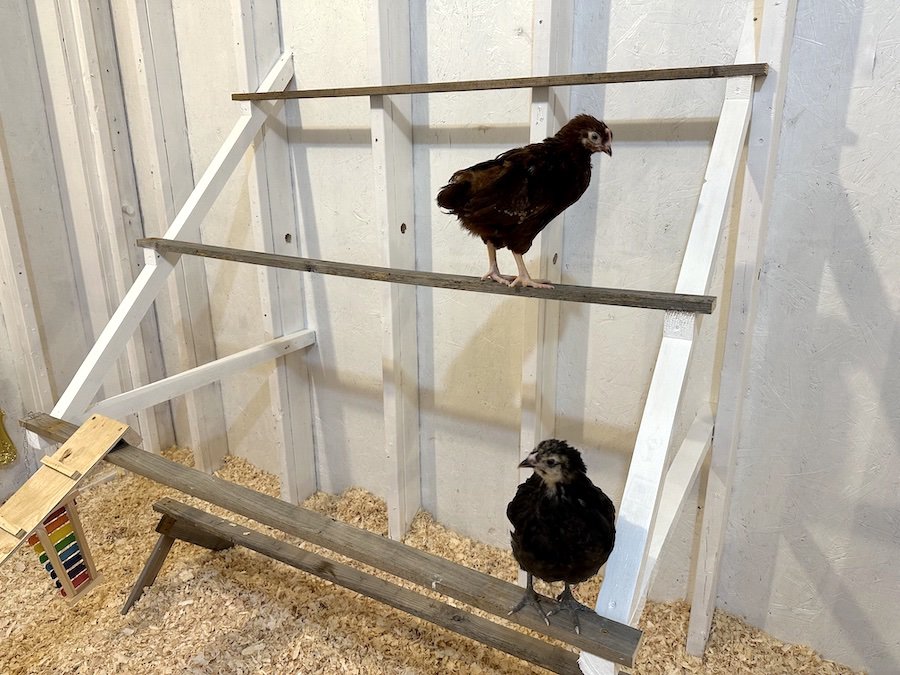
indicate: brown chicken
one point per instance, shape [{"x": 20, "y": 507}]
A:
[{"x": 507, "y": 201}]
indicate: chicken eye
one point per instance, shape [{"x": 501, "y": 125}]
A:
[
  {"x": 594, "y": 136},
  {"x": 551, "y": 462}
]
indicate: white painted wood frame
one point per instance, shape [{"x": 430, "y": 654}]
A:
[
  {"x": 87, "y": 380},
  {"x": 776, "y": 37},
  {"x": 630, "y": 566},
  {"x": 275, "y": 227},
  {"x": 680, "y": 478},
  {"x": 148, "y": 52},
  {"x": 551, "y": 55},
  {"x": 392, "y": 154},
  {"x": 199, "y": 376}
]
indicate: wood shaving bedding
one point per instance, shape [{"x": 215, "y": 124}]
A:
[{"x": 236, "y": 611}]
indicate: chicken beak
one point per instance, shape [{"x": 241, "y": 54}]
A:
[
  {"x": 529, "y": 462},
  {"x": 607, "y": 149}
]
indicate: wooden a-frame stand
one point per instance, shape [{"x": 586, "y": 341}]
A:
[{"x": 658, "y": 479}]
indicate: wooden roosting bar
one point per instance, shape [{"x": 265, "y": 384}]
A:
[
  {"x": 576, "y": 79},
  {"x": 683, "y": 302}
]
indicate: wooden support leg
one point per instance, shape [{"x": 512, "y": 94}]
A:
[
  {"x": 151, "y": 569},
  {"x": 170, "y": 529}
]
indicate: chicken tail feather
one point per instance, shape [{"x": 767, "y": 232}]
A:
[{"x": 453, "y": 195}]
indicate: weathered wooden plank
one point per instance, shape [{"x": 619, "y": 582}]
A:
[
  {"x": 765, "y": 129},
  {"x": 183, "y": 529},
  {"x": 176, "y": 385},
  {"x": 703, "y": 304},
  {"x": 649, "y": 75},
  {"x": 553, "y": 658},
  {"x": 603, "y": 637}
]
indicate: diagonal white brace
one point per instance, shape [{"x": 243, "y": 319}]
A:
[{"x": 115, "y": 336}]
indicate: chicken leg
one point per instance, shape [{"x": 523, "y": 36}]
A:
[
  {"x": 524, "y": 279},
  {"x": 530, "y": 598},
  {"x": 494, "y": 271}
]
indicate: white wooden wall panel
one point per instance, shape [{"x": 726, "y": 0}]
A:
[
  {"x": 148, "y": 53},
  {"x": 471, "y": 346},
  {"x": 39, "y": 294},
  {"x": 24, "y": 379},
  {"x": 332, "y": 169},
  {"x": 72, "y": 187}
]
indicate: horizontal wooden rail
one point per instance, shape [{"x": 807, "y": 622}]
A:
[
  {"x": 607, "y": 639},
  {"x": 576, "y": 79},
  {"x": 193, "y": 525},
  {"x": 703, "y": 304}
]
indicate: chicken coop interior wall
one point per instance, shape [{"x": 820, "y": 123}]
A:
[{"x": 813, "y": 526}]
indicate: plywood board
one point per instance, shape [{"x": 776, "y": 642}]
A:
[{"x": 48, "y": 487}]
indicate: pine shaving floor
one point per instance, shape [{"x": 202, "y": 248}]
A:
[{"x": 239, "y": 612}]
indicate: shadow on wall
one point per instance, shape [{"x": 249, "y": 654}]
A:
[{"x": 813, "y": 558}]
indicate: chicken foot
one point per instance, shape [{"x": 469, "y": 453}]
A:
[
  {"x": 530, "y": 598},
  {"x": 524, "y": 279},
  {"x": 494, "y": 271},
  {"x": 568, "y": 602}
]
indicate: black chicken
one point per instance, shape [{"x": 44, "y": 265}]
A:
[
  {"x": 507, "y": 201},
  {"x": 564, "y": 525}
]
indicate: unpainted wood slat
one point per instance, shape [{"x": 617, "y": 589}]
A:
[
  {"x": 608, "y": 639},
  {"x": 703, "y": 304},
  {"x": 616, "y": 77},
  {"x": 533, "y": 650},
  {"x": 183, "y": 529}
]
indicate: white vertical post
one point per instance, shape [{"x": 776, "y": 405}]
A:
[
  {"x": 392, "y": 153},
  {"x": 281, "y": 290},
  {"x": 149, "y": 63},
  {"x": 551, "y": 55},
  {"x": 765, "y": 130}
]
